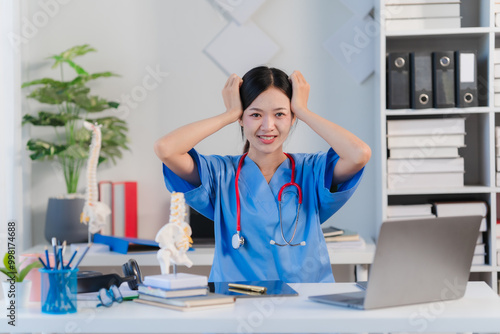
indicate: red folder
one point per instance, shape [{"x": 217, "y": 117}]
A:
[{"x": 125, "y": 209}]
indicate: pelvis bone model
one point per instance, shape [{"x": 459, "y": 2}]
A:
[{"x": 174, "y": 238}]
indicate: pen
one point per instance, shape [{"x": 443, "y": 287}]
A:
[
  {"x": 72, "y": 257},
  {"x": 83, "y": 255},
  {"x": 245, "y": 292},
  {"x": 59, "y": 254},
  {"x": 253, "y": 288},
  {"x": 47, "y": 257},
  {"x": 54, "y": 246},
  {"x": 43, "y": 264}
]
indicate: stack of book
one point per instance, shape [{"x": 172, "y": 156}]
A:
[
  {"x": 497, "y": 154},
  {"x": 423, "y": 153},
  {"x": 496, "y": 86},
  {"x": 182, "y": 292},
  {"x": 342, "y": 238},
  {"x": 422, "y": 14},
  {"x": 412, "y": 211},
  {"x": 467, "y": 208}
]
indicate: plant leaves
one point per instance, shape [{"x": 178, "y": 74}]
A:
[
  {"x": 83, "y": 135},
  {"x": 76, "y": 151},
  {"x": 6, "y": 261},
  {"x": 113, "y": 137},
  {"x": 74, "y": 101},
  {"x": 45, "y": 81},
  {"x": 27, "y": 269},
  {"x": 91, "y": 103},
  {"x": 79, "y": 70},
  {"x": 43, "y": 149},
  {"x": 77, "y": 51},
  {"x": 68, "y": 55},
  {"x": 7, "y": 272},
  {"x": 113, "y": 104},
  {"x": 94, "y": 76},
  {"x": 46, "y": 118}
]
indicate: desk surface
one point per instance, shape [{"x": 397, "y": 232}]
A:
[
  {"x": 478, "y": 311},
  {"x": 205, "y": 256}
]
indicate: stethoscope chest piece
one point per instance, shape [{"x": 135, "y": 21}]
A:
[{"x": 237, "y": 241}]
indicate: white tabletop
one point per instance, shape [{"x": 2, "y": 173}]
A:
[
  {"x": 478, "y": 311},
  {"x": 203, "y": 256}
]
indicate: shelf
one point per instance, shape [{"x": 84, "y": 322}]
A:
[
  {"x": 425, "y": 191},
  {"x": 434, "y": 111},
  {"x": 484, "y": 268},
  {"x": 478, "y": 34},
  {"x": 440, "y": 32}
]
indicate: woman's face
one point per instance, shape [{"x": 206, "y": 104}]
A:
[{"x": 267, "y": 121}]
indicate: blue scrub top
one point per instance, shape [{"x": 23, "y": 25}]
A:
[{"x": 257, "y": 259}]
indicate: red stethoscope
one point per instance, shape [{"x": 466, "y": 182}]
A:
[{"x": 238, "y": 240}]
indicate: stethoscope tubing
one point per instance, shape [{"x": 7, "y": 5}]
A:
[{"x": 238, "y": 240}]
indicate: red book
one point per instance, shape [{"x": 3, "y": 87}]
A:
[{"x": 125, "y": 209}]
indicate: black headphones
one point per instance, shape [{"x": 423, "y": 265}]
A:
[
  {"x": 131, "y": 268},
  {"x": 91, "y": 281}
]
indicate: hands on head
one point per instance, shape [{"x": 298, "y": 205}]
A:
[
  {"x": 232, "y": 98},
  {"x": 300, "y": 94}
]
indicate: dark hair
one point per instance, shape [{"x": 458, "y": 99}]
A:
[{"x": 258, "y": 80}]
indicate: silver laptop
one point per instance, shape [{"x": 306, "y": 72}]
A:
[{"x": 416, "y": 261}]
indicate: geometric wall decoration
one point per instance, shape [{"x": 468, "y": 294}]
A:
[
  {"x": 242, "y": 10},
  {"x": 360, "y": 8},
  {"x": 241, "y": 45},
  {"x": 238, "y": 48},
  {"x": 353, "y": 46}
]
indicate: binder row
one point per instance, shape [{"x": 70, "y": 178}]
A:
[{"x": 421, "y": 80}]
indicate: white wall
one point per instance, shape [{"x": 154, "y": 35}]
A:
[{"x": 131, "y": 36}]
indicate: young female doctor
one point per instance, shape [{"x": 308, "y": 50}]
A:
[{"x": 267, "y": 205}]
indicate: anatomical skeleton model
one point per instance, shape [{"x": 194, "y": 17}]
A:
[
  {"x": 94, "y": 213},
  {"x": 174, "y": 238}
]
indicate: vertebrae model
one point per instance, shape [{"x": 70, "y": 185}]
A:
[
  {"x": 175, "y": 237},
  {"x": 94, "y": 213}
]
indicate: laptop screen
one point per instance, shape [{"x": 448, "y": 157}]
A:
[{"x": 202, "y": 229}]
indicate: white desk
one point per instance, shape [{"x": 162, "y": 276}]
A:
[
  {"x": 478, "y": 311},
  {"x": 204, "y": 257}
]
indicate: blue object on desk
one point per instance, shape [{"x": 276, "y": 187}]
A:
[
  {"x": 58, "y": 290},
  {"x": 124, "y": 244}
]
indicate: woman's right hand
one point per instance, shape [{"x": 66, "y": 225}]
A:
[{"x": 231, "y": 96}]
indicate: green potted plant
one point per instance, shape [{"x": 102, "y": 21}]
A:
[
  {"x": 69, "y": 103},
  {"x": 16, "y": 285}
]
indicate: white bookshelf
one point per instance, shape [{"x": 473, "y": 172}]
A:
[{"x": 478, "y": 32}]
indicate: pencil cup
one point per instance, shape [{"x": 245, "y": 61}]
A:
[{"x": 58, "y": 291}]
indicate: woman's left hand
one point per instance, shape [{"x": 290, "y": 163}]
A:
[{"x": 300, "y": 93}]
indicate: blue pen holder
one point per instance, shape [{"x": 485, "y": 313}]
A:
[{"x": 59, "y": 289}]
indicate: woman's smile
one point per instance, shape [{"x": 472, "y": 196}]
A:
[{"x": 267, "y": 139}]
